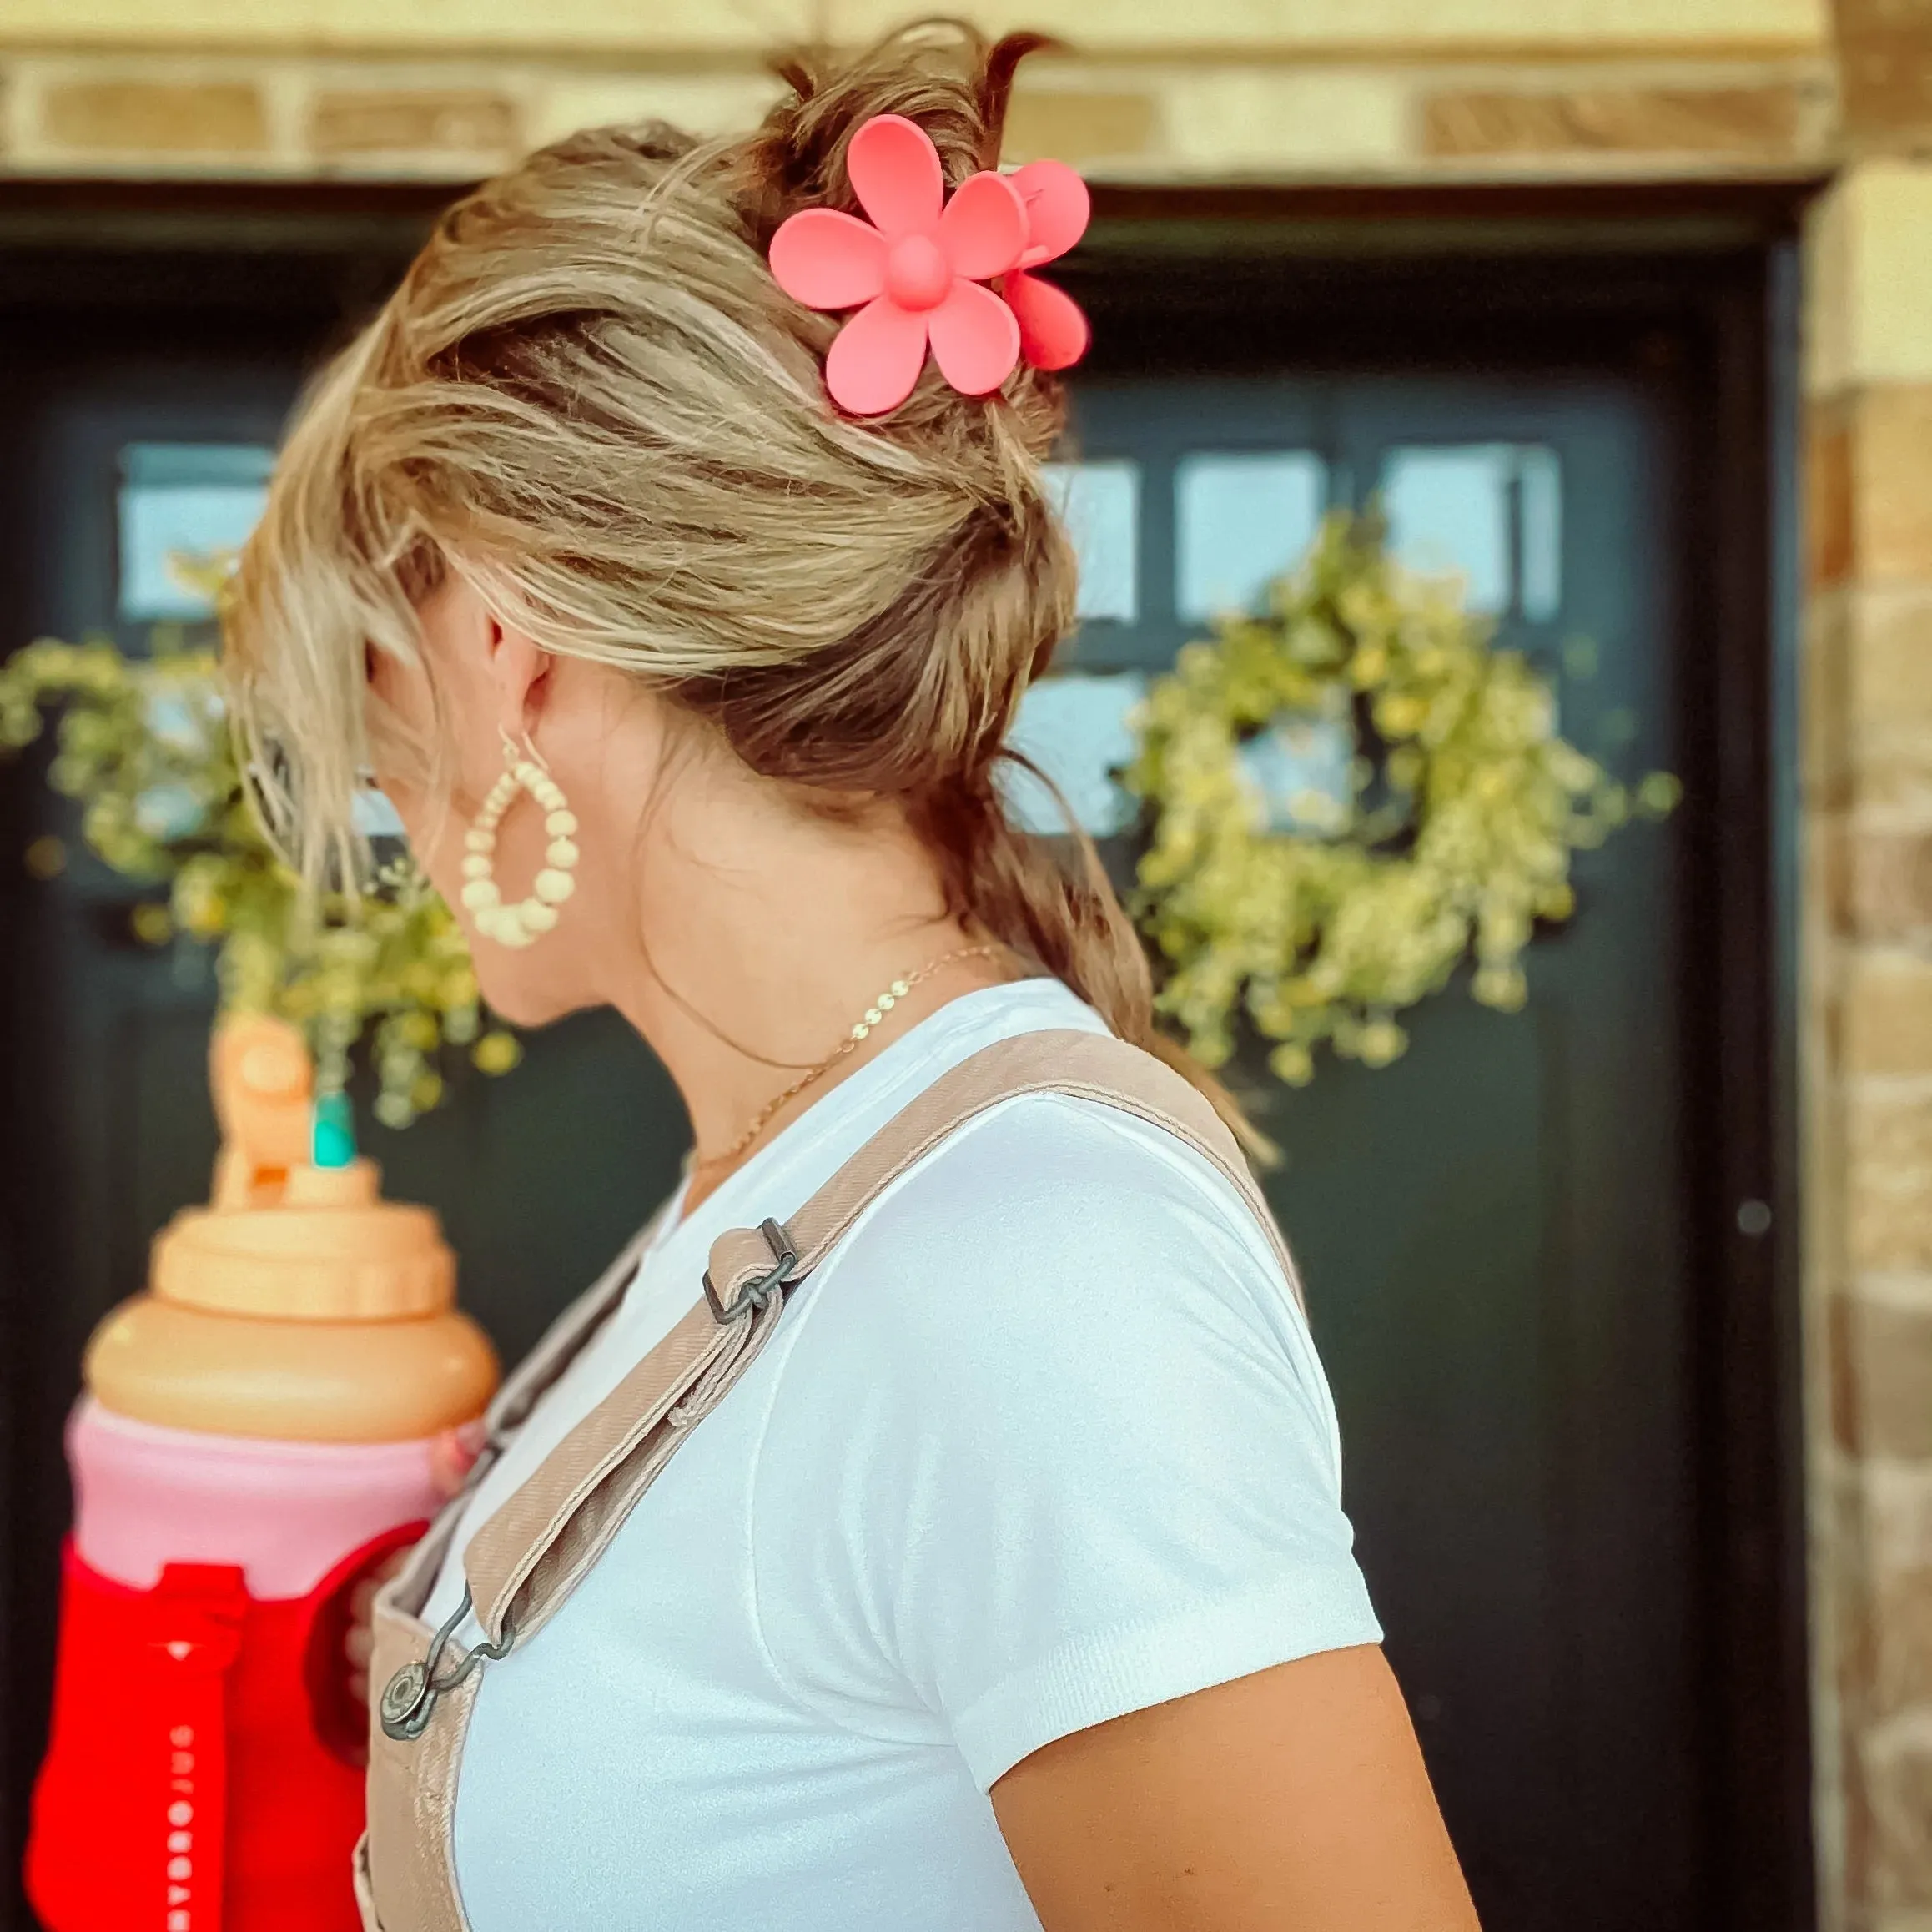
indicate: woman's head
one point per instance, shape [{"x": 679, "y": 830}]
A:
[{"x": 585, "y": 452}]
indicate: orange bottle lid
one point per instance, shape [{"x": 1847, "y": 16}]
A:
[
  {"x": 299, "y": 1305},
  {"x": 330, "y": 1251},
  {"x": 284, "y": 1237}
]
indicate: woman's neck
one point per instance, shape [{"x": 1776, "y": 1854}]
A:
[{"x": 768, "y": 935}]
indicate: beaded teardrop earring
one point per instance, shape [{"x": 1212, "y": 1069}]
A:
[{"x": 518, "y": 924}]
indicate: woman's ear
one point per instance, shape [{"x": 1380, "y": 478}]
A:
[{"x": 520, "y": 669}]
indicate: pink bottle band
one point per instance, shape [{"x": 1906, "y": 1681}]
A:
[{"x": 146, "y": 1496}]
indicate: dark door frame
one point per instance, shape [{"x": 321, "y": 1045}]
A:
[{"x": 1521, "y": 270}]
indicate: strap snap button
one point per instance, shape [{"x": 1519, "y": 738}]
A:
[{"x": 402, "y": 1697}]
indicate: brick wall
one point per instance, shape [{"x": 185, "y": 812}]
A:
[
  {"x": 1867, "y": 791},
  {"x": 1220, "y": 90}
]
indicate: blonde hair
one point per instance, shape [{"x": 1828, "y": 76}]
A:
[{"x": 590, "y": 397}]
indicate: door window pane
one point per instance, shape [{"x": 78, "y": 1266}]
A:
[
  {"x": 1099, "y": 503},
  {"x": 1301, "y": 766},
  {"x": 1240, "y": 522},
  {"x": 1540, "y": 506},
  {"x": 1488, "y": 513},
  {"x": 187, "y": 499},
  {"x": 1075, "y": 728},
  {"x": 373, "y": 815}
]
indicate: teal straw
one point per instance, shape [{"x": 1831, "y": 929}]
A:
[{"x": 333, "y": 1141}]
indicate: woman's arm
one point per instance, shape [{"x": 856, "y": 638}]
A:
[{"x": 1296, "y": 1797}]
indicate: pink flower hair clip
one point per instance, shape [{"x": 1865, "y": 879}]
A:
[{"x": 917, "y": 272}]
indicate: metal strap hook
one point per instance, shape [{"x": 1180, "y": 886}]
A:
[
  {"x": 755, "y": 1294},
  {"x": 409, "y": 1697}
]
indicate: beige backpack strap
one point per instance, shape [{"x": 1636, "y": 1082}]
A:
[
  {"x": 522, "y": 1389},
  {"x": 1089, "y": 1066},
  {"x": 526, "y": 1560}
]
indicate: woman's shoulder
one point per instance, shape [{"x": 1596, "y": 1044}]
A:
[
  {"x": 1055, "y": 1229},
  {"x": 1050, "y": 1441}
]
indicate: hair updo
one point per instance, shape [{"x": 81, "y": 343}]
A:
[{"x": 590, "y": 396}]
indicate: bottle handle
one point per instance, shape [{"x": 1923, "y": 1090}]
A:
[{"x": 341, "y": 1723}]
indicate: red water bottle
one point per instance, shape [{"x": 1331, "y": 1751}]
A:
[{"x": 256, "y": 1435}]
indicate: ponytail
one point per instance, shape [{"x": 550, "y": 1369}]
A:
[{"x": 1050, "y": 903}]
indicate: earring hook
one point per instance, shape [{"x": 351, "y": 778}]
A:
[{"x": 512, "y": 754}]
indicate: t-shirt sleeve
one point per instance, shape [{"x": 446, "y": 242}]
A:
[{"x": 1050, "y": 1444}]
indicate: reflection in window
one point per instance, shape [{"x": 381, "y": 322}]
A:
[
  {"x": 1076, "y": 729},
  {"x": 1240, "y": 522},
  {"x": 1099, "y": 503},
  {"x": 1301, "y": 766},
  {"x": 1540, "y": 511},
  {"x": 1489, "y": 513},
  {"x": 373, "y": 815},
  {"x": 183, "y": 499}
]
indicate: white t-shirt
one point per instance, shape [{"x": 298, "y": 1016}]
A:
[{"x": 1044, "y": 1442}]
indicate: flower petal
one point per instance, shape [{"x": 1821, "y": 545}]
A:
[
  {"x": 896, "y": 175},
  {"x": 828, "y": 259},
  {"x": 876, "y": 358},
  {"x": 1053, "y": 331},
  {"x": 975, "y": 338},
  {"x": 1057, "y": 209},
  {"x": 983, "y": 227}
]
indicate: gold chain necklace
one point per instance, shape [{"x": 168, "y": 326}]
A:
[{"x": 862, "y": 1027}]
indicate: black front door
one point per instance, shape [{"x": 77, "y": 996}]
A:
[
  {"x": 1565, "y": 1447},
  {"x": 1500, "y": 1231}
]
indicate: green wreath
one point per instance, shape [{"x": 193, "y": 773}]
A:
[
  {"x": 1440, "y": 828},
  {"x": 144, "y": 745}
]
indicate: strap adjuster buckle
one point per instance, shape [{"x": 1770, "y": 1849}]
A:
[
  {"x": 408, "y": 1698},
  {"x": 756, "y": 1294}
]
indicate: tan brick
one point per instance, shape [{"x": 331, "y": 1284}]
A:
[
  {"x": 1829, "y": 290},
  {"x": 1877, "y": 1618},
  {"x": 1281, "y": 119},
  {"x": 1822, "y": 1230},
  {"x": 155, "y": 118},
  {"x": 1825, "y": 742},
  {"x": 1830, "y": 883},
  {"x": 1895, "y": 1786},
  {"x": 1482, "y": 27},
  {"x": 1891, "y": 482},
  {"x": 1887, "y": 648},
  {"x": 1073, "y": 125},
  {"x": 1851, "y": 1621},
  {"x": 409, "y": 28},
  {"x": 1881, "y": 1620},
  {"x": 1882, "y": 1378},
  {"x": 1763, "y": 122},
  {"x": 1859, "y": 1836},
  {"x": 1830, "y": 528},
  {"x": 1871, "y": 263},
  {"x": 1886, "y": 69},
  {"x": 457, "y": 120},
  {"x": 1888, "y": 1157},
  {"x": 1888, "y": 1018},
  {"x": 700, "y": 103},
  {"x": 1898, "y": 1562},
  {"x": 1880, "y": 884},
  {"x": 1902, "y": 1617}
]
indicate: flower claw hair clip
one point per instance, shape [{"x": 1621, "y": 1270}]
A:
[
  {"x": 916, "y": 271},
  {"x": 1052, "y": 332}
]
